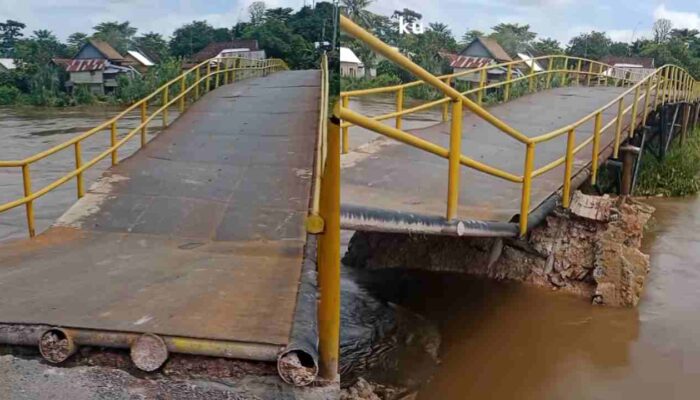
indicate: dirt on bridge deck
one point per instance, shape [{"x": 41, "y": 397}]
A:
[
  {"x": 394, "y": 176},
  {"x": 199, "y": 235}
]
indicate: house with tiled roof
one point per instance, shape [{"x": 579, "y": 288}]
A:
[
  {"x": 97, "y": 66},
  {"x": 481, "y": 52}
]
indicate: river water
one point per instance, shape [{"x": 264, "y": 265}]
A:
[{"x": 25, "y": 131}]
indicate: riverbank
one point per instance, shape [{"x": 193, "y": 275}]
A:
[{"x": 502, "y": 339}]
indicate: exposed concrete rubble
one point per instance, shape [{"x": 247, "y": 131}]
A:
[{"x": 591, "y": 250}]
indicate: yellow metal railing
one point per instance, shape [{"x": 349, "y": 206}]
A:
[
  {"x": 666, "y": 84},
  {"x": 314, "y": 222},
  {"x": 180, "y": 92}
]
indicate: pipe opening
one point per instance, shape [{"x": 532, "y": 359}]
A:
[
  {"x": 297, "y": 367},
  {"x": 149, "y": 352},
  {"x": 56, "y": 345}
]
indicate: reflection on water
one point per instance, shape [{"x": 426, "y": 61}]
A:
[
  {"x": 25, "y": 131},
  {"x": 508, "y": 341}
]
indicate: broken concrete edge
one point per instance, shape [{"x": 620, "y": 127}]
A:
[
  {"x": 595, "y": 258},
  {"x": 297, "y": 364}
]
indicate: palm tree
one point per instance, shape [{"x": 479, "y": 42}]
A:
[{"x": 357, "y": 11}]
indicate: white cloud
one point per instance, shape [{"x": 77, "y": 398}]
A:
[{"x": 679, "y": 19}]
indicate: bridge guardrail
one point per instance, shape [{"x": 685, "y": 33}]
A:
[
  {"x": 205, "y": 76},
  {"x": 668, "y": 83}
]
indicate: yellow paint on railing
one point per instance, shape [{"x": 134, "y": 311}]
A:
[{"x": 256, "y": 66}]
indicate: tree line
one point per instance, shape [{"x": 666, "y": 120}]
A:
[
  {"x": 667, "y": 46},
  {"x": 282, "y": 32}
]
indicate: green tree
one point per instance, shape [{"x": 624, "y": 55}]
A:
[
  {"x": 40, "y": 48},
  {"x": 191, "y": 38},
  {"x": 620, "y": 49},
  {"x": 76, "y": 41},
  {"x": 357, "y": 11},
  {"x": 118, "y": 34},
  {"x": 662, "y": 30},
  {"x": 514, "y": 38},
  {"x": 470, "y": 35},
  {"x": 154, "y": 44},
  {"x": 256, "y": 11},
  {"x": 593, "y": 45},
  {"x": 10, "y": 32},
  {"x": 546, "y": 46}
]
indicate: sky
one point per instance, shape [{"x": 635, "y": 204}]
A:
[{"x": 623, "y": 20}]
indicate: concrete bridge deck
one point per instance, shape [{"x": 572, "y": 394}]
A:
[
  {"x": 199, "y": 235},
  {"x": 396, "y": 177}
]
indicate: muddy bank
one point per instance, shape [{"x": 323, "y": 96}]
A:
[{"x": 591, "y": 250}]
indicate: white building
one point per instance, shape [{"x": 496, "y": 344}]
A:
[
  {"x": 350, "y": 64},
  {"x": 7, "y": 64}
]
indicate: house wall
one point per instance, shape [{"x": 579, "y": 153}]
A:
[
  {"x": 350, "y": 69},
  {"x": 86, "y": 77},
  {"x": 89, "y": 52},
  {"x": 476, "y": 49}
]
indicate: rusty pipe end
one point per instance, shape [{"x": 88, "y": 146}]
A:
[
  {"x": 297, "y": 367},
  {"x": 149, "y": 352},
  {"x": 56, "y": 345}
]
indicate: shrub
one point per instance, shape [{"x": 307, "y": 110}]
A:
[
  {"x": 9, "y": 95},
  {"x": 676, "y": 175}
]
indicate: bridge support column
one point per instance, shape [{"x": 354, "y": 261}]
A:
[
  {"x": 629, "y": 154},
  {"x": 329, "y": 258},
  {"x": 685, "y": 122}
]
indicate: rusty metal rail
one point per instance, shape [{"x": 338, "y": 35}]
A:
[
  {"x": 180, "y": 91},
  {"x": 667, "y": 84}
]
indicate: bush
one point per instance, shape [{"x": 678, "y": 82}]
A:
[
  {"x": 676, "y": 175},
  {"x": 9, "y": 95}
]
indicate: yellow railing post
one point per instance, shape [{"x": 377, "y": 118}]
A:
[
  {"x": 454, "y": 160},
  {"x": 329, "y": 258},
  {"x": 657, "y": 91},
  {"x": 226, "y": 70},
  {"x": 600, "y": 73},
  {"x": 166, "y": 92},
  {"x": 527, "y": 183},
  {"x": 506, "y": 89},
  {"x": 578, "y": 72},
  {"x": 208, "y": 80},
  {"x": 674, "y": 84},
  {"x": 633, "y": 123},
  {"x": 482, "y": 82},
  {"x": 647, "y": 93},
  {"x": 399, "y": 106},
  {"x": 531, "y": 79},
  {"x": 445, "y": 106},
  {"x": 596, "y": 146},
  {"x": 183, "y": 87},
  {"x": 549, "y": 73},
  {"x": 197, "y": 77},
  {"x": 29, "y": 206},
  {"x": 590, "y": 73},
  {"x": 666, "y": 86},
  {"x": 618, "y": 126},
  {"x": 144, "y": 127},
  {"x": 564, "y": 72},
  {"x": 218, "y": 73},
  {"x": 345, "y": 101},
  {"x": 568, "y": 167},
  {"x": 113, "y": 142},
  {"x": 79, "y": 163}
]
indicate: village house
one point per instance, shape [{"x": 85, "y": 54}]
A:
[
  {"x": 96, "y": 66},
  {"x": 138, "y": 60},
  {"x": 351, "y": 65},
  {"x": 633, "y": 68},
  {"x": 479, "y": 53},
  {"x": 245, "y": 48},
  {"x": 7, "y": 64}
]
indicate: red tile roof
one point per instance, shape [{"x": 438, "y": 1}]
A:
[
  {"x": 213, "y": 49},
  {"x": 86, "y": 65},
  {"x": 467, "y": 62}
]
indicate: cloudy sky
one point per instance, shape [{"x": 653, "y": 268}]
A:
[{"x": 560, "y": 19}]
